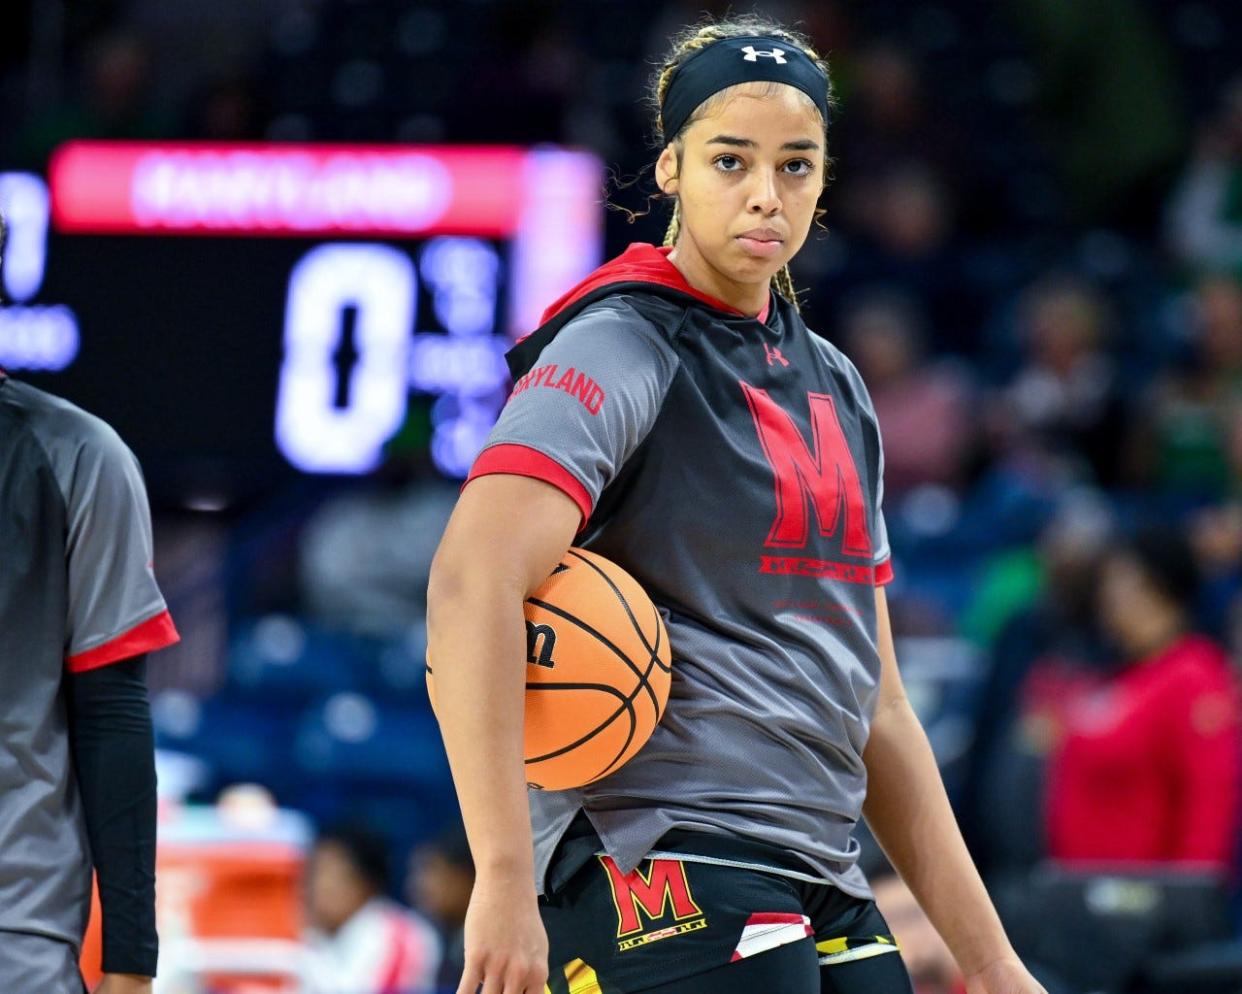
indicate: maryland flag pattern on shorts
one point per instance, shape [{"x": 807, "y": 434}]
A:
[{"x": 849, "y": 948}]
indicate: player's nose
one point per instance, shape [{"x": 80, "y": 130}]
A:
[{"x": 763, "y": 196}]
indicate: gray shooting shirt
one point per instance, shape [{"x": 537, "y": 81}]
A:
[
  {"x": 77, "y": 591},
  {"x": 734, "y": 467}
]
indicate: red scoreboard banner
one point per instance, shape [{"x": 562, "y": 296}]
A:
[{"x": 303, "y": 190}]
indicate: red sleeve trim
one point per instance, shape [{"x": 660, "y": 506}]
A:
[
  {"x": 154, "y": 633},
  {"x": 521, "y": 460},
  {"x": 884, "y": 573}
]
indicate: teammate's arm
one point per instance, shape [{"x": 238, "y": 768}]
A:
[
  {"x": 113, "y": 755},
  {"x": 505, "y": 537},
  {"x": 116, "y": 615},
  {"x": 909, "y": 814}
]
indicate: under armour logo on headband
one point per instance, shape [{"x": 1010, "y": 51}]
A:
[
  {"x": 716, "y": 67},
  {"x": 753, "y": 54}
]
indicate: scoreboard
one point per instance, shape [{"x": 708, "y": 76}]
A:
[{"x": 244, "y": 311}]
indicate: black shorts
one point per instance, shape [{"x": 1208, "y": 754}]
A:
[{"x": 674, "y": 920}]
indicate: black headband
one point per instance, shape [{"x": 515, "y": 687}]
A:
[{"x": 731, "y": 61}]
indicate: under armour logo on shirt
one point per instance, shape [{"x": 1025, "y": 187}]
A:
[
  {"x": 753, "y": 54},
  {"x": 774, "y": 355}
]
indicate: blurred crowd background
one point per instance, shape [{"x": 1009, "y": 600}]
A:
[{"x": 1032, "y": 251}]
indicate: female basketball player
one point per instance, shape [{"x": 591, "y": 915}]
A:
[{"x": 733, "y": 466}]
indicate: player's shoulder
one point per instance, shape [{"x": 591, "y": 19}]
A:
[
  {"x": 623, "y": 329},
  {"x": 821, "y": 346},
  {"x": 68, "y": 435},
  {"x": 618, "y": 314},
  {"x": 837, "y": 361}
]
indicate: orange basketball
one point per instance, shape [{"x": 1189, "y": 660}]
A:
[{"x": 597, "y": 672}]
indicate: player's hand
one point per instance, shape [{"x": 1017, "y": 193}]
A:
[
  {"x": 1004, "y": 976},
  {"x": 506, "y": 944},
  {"x": 124, "y": 983}
]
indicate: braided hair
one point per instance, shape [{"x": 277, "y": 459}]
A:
[{"x": 684, "y": 45}]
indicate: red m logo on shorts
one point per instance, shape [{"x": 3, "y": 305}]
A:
[
  {"x": 664, "y": 886},
  {"x": 822, "y": 475}
]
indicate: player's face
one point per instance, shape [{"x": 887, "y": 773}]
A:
[{"x": 750, "y": 177}]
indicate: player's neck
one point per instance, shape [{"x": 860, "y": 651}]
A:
[{"x": 749, "y": 298}]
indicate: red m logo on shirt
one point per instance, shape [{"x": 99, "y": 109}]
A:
[
  {"x": 664, "y": 886},
  {"x": 822, "y": 475}
]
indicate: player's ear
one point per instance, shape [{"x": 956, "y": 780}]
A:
[{"x": 666, "y": 171}]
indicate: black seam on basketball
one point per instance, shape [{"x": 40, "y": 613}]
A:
[
  {"x": 627, "y": 704},
  {"x": 624, "y": 746},
  {"x": 560, "y": 613},
  {"x": 655, "y": 654},
  {"x": 626, "y": 707},
  {"x": 625, "y": 604}
]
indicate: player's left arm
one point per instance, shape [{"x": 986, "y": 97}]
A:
[
  {"x": 909, "y": 813},
  {"x": 117, "y": 615}
]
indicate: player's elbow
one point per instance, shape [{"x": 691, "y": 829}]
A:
[
  {"x": 464, "y": 570},
  {"x": 455, "y": 572}
]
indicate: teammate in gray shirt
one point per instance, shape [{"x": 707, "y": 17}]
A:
[
  {"x": 675, "y": 414},
  {"x": 79, "y": 609}
]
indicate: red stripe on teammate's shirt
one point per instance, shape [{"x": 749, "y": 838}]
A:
[
  {"x": 521, "y": 460},
  {"x": 154, "y": 633},
  {"x": 884, "y": 573}
]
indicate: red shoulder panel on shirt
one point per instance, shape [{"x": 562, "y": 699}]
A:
[
  {"x": 154, "y": 633},
  {"x": 521, "y": 460}
]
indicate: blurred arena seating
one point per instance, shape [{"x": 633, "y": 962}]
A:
[{"x": 1030, "y": 194}]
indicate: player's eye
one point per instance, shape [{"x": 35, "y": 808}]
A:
[
  {"x": 800, "y": 167},
  {"x": 727, "y": 163}
]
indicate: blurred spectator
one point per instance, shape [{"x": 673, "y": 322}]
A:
[
  {"x": 439, "y": 882},
  {"x": 1148, "y": 768},
  {"x": 923, "y": 407},
  {"x": 1186, "y": 438},
  {"x": 228, "y": 109},
  {"x": 366, "y": 553},
  {"x": 932, "y": 967},
  {"x": 1205, "y": 215},
  {"x": 1065, "y": 397},
  {"x": 906, "y": 236},
  {"x": 113, "y": 101},
  {"x": 531, "y": 76},
  {"x": 360, "y": 942},
  {"x": 886, "y": 125},
  {"x": 1041, "y": 649},
  {"x": 1110, "y": 100},
  {"x": 1216, "y": 533},
  {"x": 911, "y": 215}
]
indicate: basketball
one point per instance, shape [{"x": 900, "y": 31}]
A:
[{"x": 597, "y": 672}]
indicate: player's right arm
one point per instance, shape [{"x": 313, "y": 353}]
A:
[
  {"x": 504, "y": 539},
  {"x": 570, "y": 425}
]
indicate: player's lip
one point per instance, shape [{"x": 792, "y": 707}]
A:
[{"x": 763, "y": 235}]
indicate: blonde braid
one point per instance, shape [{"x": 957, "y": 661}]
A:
[
  {"x": 692, "y": 41},
  {"x": 673, "y": 231},
  {"x": 785, "y": 287}
]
